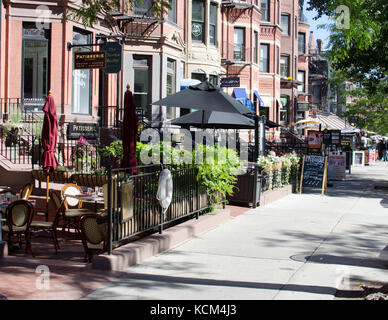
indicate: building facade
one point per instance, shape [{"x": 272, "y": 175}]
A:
[{"x": 256, "y": 41}]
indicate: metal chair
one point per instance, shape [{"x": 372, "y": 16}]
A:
[
  {"x": 51, "y": 227},
  {"x": 26, "y": 191},
  {"x": 93, "y": 235},
  {"x": 19, "y": 216},
  {"x": 73, "y": 206}
]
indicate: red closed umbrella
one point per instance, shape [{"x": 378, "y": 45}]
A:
[
  {"x": 49, "y": 137},
  {"x": 129, "y": 132}
]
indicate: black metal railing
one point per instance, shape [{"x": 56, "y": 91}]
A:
[
  {"x": 132, "y": 205},
  {"x": 282, "y": 148},
  {"x": 8, "y": 107}
]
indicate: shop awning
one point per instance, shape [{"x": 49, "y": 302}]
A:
[
  {"x": 239, "y": 93},
  {"x": 261, "y": 102}
]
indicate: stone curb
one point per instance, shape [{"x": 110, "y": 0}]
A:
[{"x": 136, "y": 252}]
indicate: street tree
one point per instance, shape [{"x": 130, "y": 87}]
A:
[
  {"x": 90, "y": 12},
  {"x": 359, "y": 38}
]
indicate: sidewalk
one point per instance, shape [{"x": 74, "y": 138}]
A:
[{"x": 300, "y": 247}]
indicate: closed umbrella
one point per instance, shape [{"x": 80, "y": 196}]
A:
[
  {"x": 49, "y": 138},
  {"x": 129, "y": 132}
]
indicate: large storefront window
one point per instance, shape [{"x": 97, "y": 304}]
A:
[
  {"x": 142, "y": 70},
  {"x": 171, "y": 86},
  {"x": 35, "y": 81},
  {"x": 81, "y": 98}
]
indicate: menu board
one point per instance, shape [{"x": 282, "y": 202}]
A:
[
  {"x": 336, "y": 166},
  {"x": 314, "y": 172}
]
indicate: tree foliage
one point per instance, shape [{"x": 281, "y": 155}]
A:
[
  {"x": 370, "y": 110},
  {"x": 358, "y": 49},
  {"x": 90, "y": 12}
]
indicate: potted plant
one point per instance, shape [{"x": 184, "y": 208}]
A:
[
  {"x": 84, "y": 156},
  {"x": 112, "y": 154}
]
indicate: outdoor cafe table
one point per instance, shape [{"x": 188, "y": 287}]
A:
[{"x": 89, "y": 198}]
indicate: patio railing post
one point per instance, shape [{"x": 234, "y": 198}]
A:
[{"x": 109, "y": 209}]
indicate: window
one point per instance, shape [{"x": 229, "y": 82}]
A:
[
  {"x": 264, "y": 58},
  {"x": 302, "y": 78},
  {"x": 239, "y": 44},
  {"x": 142, "y": 77},
  {"x": 171, "y": 86},
  {"x": 172, "y": 11},
  {"x": 265, "y": 13},
  {"x": 285, "y": 106},
  {"x": 213, "y": 24},
  {"x": 143, "y": 9},
  {"x": 81, "y": 78},
  {"x": 255, "y": 46},
  {"x": 198, "y": 21},
  {"x": 213, "y": 79},
  {"x": 35, "y": 66},
  {"x": 198, "y": 76},
  {"x": 277, "y": 60},
  {"x": 285, "y": 24},
  {"x": 301, "y": 43},
  {"x": 285, "y": 66}
]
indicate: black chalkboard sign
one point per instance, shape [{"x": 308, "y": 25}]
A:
[{"x": 314, "y": 172}]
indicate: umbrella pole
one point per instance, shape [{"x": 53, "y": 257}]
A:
[{"x": 47, "y": 195}]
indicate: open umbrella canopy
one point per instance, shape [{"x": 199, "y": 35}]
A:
[
  {"x": 49, "y": 135},
  {"x": 219, "y": 120},
  {"x": 304, "y": 121},
  {"x": 204, "y": 96}
]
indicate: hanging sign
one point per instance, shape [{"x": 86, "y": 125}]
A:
[
  {"x": 336, "y": 166},
  {"x": 230, "y": 82},
  {"x": 113, "y": 54},
  {"x": 314, "y": 172},
  {"x": 336, "y": 137},
  {"x": 89, "y": 60}
]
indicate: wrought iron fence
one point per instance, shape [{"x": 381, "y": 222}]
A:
[
  {"x": 132, "y": 205},
  {"x": 282, "y": 148}
]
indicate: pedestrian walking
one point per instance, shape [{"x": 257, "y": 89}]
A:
[
  {"x": 384, "y": 150},
  {"x": 379, "y": 150}
]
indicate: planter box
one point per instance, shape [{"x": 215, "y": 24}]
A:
[
  {"x": 55, "y": 176},
  {"x": 275, "y": 194},
  {"x": 90, "y": 180},
  {"x": 247, "y": 190}
]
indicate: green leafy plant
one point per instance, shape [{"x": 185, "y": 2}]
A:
[
  {"x": 113, "y": 152},
  {"x": 218, "y": 171}
]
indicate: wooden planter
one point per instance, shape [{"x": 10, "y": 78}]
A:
[
  {"x": 90, "y": 180},
  {"x": 55, "y": 176}
]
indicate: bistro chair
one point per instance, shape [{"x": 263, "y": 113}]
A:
[
  {"x": 93, "y": 235},
  {"x": 26, "y": 191},
  {"x": 72, "y": 206},
  {"x": 51, "y": 227},
  {"x": 19, "y": 216}
]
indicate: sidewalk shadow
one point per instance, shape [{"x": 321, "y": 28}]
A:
[{"x": 341, "y": 260}]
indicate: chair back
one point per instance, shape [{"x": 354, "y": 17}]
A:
[
  {"x": 25, "y": 192},
  {"x": 59, "y": 205},
  {"x": 71, "y": 189},
  {"x": 93, "y": 232},
  {"x": 19, "y": 214}
]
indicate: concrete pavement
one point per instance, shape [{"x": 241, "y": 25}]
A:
[{"x": 300, "y": 247}]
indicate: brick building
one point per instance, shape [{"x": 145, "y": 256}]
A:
[{"x": 195, "y": 39}]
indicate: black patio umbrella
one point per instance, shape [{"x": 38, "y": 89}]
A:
[
  {"x": 218, "y": 120},
  {"x": 204, "y": 96}
]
